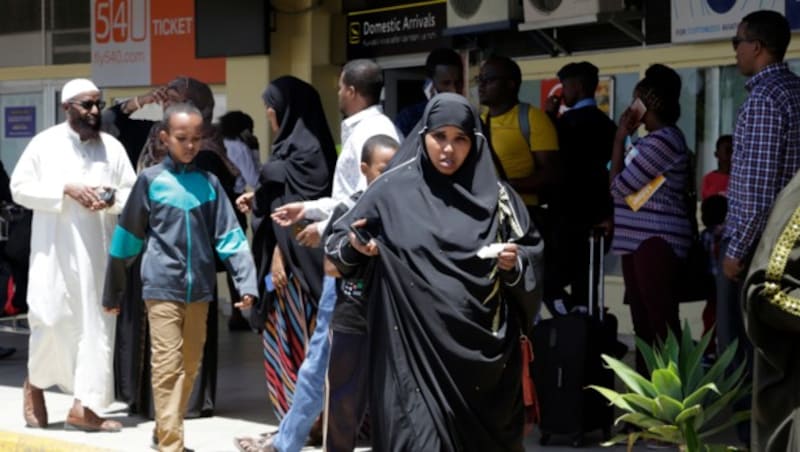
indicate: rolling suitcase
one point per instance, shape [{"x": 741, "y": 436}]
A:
[{"x": 567, "y": 359}]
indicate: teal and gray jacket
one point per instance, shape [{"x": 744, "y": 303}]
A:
[{"x": 179, "y": 216}]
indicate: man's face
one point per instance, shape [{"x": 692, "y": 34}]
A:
[
  {"x": 571, "y": 91},
  {"x": 173, "y": 97},
  {"x": 448, "y": 79},
  {"x": 345, "y": 94},
  {"x": 746, "y": 50},
  {"x": 494, "y": 85},
  {"x": 83, "y": 114}
]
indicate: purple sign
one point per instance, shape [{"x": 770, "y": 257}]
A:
[
  {"x": 20, "y": 122},
  {"x": 793, "y": 13}
]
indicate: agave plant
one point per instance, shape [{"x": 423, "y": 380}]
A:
[{"x": 681, "y": 401}]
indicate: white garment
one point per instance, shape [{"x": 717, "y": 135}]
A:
[
  {"x": 242, "y": 157},
  {"x": 72, "y": 339},
  {"x": 347, "y": 177}
]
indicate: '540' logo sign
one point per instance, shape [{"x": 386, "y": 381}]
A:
[{"x": 120, "y": 20}]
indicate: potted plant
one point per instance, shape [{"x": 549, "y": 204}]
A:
[{"x": 681, "y": 401}]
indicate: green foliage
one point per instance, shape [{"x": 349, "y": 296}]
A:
[{"x": 681, "y": 401}]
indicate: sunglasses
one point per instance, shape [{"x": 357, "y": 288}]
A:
[
  {"x": 88, "y": 104},
  {"x": 736, "y": 40},
  {"x": 486, "y": 79}
]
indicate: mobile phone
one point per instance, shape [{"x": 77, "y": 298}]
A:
[
  {"x": 106, "y": 194},
  {"x": 299, "y": 226},
  {"x": 362, "y": 235},
  {"x": 268, "y": 282},
  {"x": 638, "y": 109}
]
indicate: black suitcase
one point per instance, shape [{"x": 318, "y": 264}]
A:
[{"x": 567, "y": 359}]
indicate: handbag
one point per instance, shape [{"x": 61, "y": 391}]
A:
[{"x": 772, "y": 288}]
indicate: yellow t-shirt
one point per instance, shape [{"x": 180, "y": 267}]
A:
[{"x": 511, "y": 148}]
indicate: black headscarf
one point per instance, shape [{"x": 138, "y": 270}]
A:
[
  {"x": 300, "y": 168},
  {"x": 445, "y": 369}
]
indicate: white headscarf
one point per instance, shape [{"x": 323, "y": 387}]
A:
[{"x": 75, "y": 87}]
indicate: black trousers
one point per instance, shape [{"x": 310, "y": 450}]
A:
[{"x": 347, "y": 386}]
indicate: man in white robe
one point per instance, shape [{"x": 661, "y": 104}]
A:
[{"x": 76, "y": 180}]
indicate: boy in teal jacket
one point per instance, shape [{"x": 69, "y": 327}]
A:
[{"x": 180, "y": 218}]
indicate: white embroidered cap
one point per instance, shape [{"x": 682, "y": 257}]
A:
[{"x": 77, "y": 86}]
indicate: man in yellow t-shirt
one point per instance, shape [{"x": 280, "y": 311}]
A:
[{"x": 527, "y": 161}]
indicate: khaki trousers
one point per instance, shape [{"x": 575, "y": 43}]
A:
[{"x": 177, "y": 336}]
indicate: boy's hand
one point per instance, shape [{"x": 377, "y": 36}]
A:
[
  {"x": 309, "y": 236},
  {"x": 114, "y": 311},
  {"x": 289, "y": 214},
  {"x": 245, "y": 202},
  {"x": 507, "y": 259},
  {"x": 247, "y": 301}
]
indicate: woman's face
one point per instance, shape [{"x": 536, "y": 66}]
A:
[
  {"x": 272, "y": 118},
  {"x": 448, "y": 148}
]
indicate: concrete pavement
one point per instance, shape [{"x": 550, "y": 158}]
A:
[{"x": 242, "y": 408}]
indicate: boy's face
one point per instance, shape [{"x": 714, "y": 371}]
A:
[
  {"x": 183, "y": 136},
  {"x": 724, "y": 153},
  {"x": 380, "y": 159}
]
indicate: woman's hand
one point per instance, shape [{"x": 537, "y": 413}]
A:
[
  {"x": 245, "y": 202},
  {"x": 628, "y": 123},
  {"x": 289, "y": 214},
  {"x": 246, "y": 302},
  {"x": 507, "y": 259},
  {"x": 368, "y": 249},
  {"x": 278, "y": 270}
]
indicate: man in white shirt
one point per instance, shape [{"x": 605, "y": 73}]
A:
[
  {"x": 360, "y": 85},
  {"x": 76, "y": 180}
]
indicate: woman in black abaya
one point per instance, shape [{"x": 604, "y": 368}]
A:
[
  {"x": 300, "y": 168},
  {"x": 444, "y": 324}
]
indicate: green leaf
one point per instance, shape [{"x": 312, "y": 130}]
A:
[
  {"x": 640, "y": 420},
  {"x": 671, "y": 347},
  {"x": 667, "y": 382},
  {"x": 733, "y": 379},
  {"x": 641, "y": 403},
  {"x": 615, "y": 440},
  {"x": 614, "y": 397},
  {"x": 668, "y": 433},
  {"x": 699, "y": 395},
  {"x": 718, "y": 369},
  {"x": 695, "y": 363},
  {"x": 630, "y": 377},
  {"x": 647, "y": 354},
  {"x": 687, "y": 344},
  {"x": 712, "y": 410},
  {"x": 692, "y": 441},
  {"x": 737, "y": 417},
  {"x": 668, "y": 408},
  {"x": 688, "y": 413}
]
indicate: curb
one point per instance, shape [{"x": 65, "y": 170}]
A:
[{"x": 16, "y": 442}]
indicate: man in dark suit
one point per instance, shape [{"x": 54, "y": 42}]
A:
[{"x": 583, "y": 201}]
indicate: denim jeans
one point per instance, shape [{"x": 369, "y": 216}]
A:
[
  {"x": 309, "y": 389},
  {"x": 730, "y": 327}
]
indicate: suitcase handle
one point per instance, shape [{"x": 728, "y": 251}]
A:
[{"x": 600, "y": 232}]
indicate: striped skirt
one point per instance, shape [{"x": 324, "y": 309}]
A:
[{"x": 285, "y": 338}]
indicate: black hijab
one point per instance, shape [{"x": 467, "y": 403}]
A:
[
  {"x": 445, "y": 363},
  {"x": 300, "y": 168},
  {"x": 304, "y": 141}
]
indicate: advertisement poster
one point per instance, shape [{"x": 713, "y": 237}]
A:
[
  {"x": 20, "y": 122},
  {"x": 392, "y": 30},
  {"x": 147, "y": 42},
  {"x": 603, "y": 95},
  {"x": 703, "y": 20}
]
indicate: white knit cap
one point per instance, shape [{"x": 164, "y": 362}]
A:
[{"x": 77, "y": 86}]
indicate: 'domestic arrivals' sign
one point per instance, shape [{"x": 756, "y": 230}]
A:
[{"x": 397, "y": 29}]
